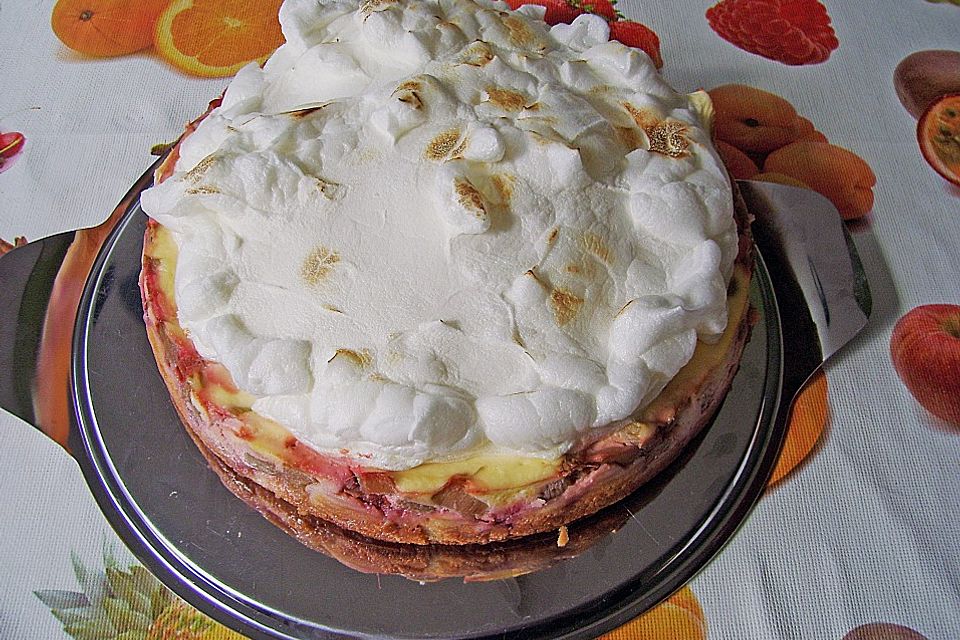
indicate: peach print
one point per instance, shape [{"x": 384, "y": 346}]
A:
[{"x": 784, "y": 147}]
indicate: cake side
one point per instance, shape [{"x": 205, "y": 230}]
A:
[{"x": 595, "y": 473}]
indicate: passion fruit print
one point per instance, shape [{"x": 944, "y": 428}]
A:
[
  {"x": 884, "y": 631},
  {"x": 924, "y": 76},
  {"x": 938, "y": 134}
]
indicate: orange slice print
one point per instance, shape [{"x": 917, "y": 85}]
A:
[
  {"x": 811, "y": 412},
  {"x": 215, "y": 38},
  {"x": 105, "y": 28},
  {"x": 679, "y": 618}
]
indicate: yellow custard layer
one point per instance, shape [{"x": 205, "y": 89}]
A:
[{"x": 492, "y": 472}]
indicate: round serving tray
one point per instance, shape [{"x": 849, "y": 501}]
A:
[{"x": 227, "y": 560}]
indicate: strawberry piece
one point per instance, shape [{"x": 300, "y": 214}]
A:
[
  {"x": 634, "y": 34},
  {"x": 602, "y": 8},
  {"x": 11, "y": 144},
  {"x": 6, "y": 247},
  {"x": 793, "y": 32},
  {"x": 557, "y": 10}
]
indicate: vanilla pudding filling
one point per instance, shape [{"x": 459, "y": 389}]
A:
[{"x": 427, "y": 228}]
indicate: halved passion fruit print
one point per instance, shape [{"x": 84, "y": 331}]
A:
[{"x": 938, "y": 133}]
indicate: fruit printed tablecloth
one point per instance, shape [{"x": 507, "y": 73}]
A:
[{"x": 858, "y": 535}]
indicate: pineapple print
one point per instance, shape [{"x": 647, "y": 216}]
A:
[
  {"x": 180, "y": 621},
  {"x": 127, "y": 603}
]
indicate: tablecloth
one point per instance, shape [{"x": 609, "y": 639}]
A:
[{"x": 860, "y": 538}]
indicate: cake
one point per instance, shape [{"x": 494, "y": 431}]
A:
[{"x": 440, "y": 273}]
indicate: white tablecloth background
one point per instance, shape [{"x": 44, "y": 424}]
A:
[{"x": 868, "y": 531}]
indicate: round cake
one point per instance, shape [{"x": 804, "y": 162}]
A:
[{"x": 441, "y": 273}]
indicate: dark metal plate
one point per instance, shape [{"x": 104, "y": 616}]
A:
[{"x": 224, "y": 558}]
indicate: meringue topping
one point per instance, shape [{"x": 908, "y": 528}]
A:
[{"x": 426, "y": 227}]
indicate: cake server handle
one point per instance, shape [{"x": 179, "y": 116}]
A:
[
  {"x": 821, "y": 288},
  {"x": 40, "y": 288}
]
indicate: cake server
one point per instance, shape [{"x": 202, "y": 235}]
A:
[
  {"x": 41, "y": 284},
  {"x": 817, "y": 275}
]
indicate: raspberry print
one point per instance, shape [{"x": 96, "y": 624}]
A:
[{"x": 794, "y": 32}]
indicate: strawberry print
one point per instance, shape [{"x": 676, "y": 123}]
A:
[
  {"x": 557, "y": 10},
  {"x": 630, "y": 33},
  {"x": 567, "y": 10},
  {"x": 794, "y": 32},
  {"x": 634, "y": 34}
]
